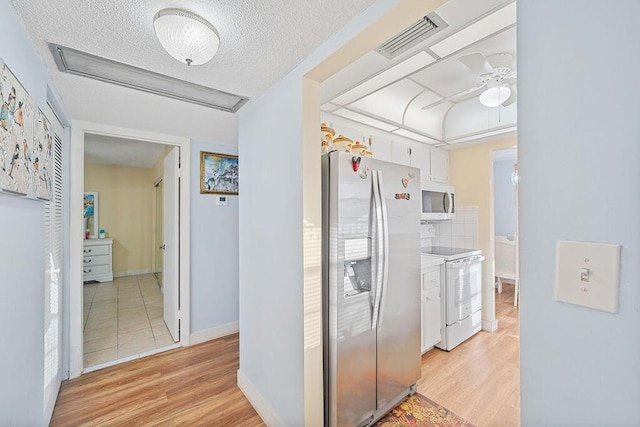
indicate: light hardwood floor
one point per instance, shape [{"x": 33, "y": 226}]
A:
[
  {"x": 195, "y": 386},
  {"x": 478, "y": 380}
]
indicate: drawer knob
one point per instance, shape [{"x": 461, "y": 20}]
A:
[
  {"x": 86, "y": 251},
  {"x": 87, "y": 271},
  {"x": 86, "y": 261}
]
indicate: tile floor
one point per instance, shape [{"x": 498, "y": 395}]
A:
[{"x": 123, "y": 318}]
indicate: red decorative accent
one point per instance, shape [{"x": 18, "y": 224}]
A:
[{"x": 355, "y": 163}]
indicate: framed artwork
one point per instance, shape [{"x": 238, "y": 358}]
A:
[
  {"x": 91, "y": 213},
  {"x": 218, "y": 173},
  {"x": 42, "y": 157},
  {"x": 17, "y": 167}
]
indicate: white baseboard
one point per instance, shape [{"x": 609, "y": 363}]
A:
[
  {"x": 490, "y": 325},
  {"x": 262, "y": 407},
  {"x": 213, "y": 333},
  {"x": 132, "y": 273}
]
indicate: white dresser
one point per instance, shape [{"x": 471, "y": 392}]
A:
[{"x": 97, "y": 262}]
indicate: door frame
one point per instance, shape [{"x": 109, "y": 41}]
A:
[{"x": 76, "y": 176}]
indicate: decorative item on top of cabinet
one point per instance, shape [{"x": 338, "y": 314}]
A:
[
  {"x": 360, "y": 150},
  {"x": 342, "y": 143},
  {"x": 326, "y": 139},
  {"x": 97, "y": 260}
]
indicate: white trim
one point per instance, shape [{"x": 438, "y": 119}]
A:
[
  {"x": 214, "y": 333},
  {"x": 262, "y": 407},
  {"x": 132, "y": 272},
  {"x": 490, "y": 325},
  {"x": 76, "y": 238}
]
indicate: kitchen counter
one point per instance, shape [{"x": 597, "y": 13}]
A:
[{"x": 427, "y": 261}]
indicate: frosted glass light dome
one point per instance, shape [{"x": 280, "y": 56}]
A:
[
  {"x": 186, "y": 36},
  {"x": 495, "y": 96}
]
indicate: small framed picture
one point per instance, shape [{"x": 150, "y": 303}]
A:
[{"x": 218, "y": 173}]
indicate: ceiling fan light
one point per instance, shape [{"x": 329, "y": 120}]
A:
[
  {"x": 494, "y": 96},
  {"x": 187, "y": 37}
]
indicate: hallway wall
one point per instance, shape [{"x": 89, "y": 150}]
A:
[{"x": 126, "y": 212}]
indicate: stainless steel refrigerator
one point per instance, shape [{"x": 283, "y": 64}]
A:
[{"x": 371, "y": 286}]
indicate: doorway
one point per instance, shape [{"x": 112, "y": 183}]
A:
[
  {"x": 126, "y": 313},
  {"x": 143, "y": 277},
  {"x": 504, "y": 216}
]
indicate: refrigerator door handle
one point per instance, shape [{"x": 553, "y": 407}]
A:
[
  {"x": 385, "y": 239},
  {"x": 379, "y": 248}
]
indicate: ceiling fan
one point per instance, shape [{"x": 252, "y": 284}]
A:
[{"x": 495, "y": 75}]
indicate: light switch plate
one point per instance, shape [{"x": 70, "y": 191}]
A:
[
  {"x": 587, "y": 274},
  {"x": 222, "y": 201}
]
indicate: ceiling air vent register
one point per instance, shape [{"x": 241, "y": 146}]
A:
[{"x": 412, "y": 36}]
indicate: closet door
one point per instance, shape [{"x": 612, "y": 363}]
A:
[{"x": 53, "y": 274}]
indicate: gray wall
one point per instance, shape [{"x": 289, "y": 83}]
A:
[
  {"x": 579, "y": 151},
  {"x": 214, "y": 250},
  {"x": 22, "y": 266},
  {"x": 504, "y": 197}
]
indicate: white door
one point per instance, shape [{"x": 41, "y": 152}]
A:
[{"x": 170, "y": 213}]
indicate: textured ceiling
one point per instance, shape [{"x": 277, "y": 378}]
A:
[
  {"x": 107, "y": 150},
  {"x": 261, "y": 41}
]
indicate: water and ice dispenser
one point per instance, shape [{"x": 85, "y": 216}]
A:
[{"x": 357, "y": 266}]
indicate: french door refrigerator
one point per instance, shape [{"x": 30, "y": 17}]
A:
[{"x": 371, "y": 286}]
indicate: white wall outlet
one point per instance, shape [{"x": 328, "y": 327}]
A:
[
  {"x": 222, "y": 201},
  {"x": 587, "y": 274}
]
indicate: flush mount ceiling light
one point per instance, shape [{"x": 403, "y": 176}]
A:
[{"x": 186, "y": 36}]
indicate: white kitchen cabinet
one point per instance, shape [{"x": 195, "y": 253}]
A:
[
  {"x": 381, "y": 149},
  {"x": 420, "y": 158},
  {"x": 439, "y": 165},
  {"x": 432, "y": 162},
  {"x": 401, "y": 153},
  {"x": 431, "y": 308},
  {"x": 97, "y": 260}
]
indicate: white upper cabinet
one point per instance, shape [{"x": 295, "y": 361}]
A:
[
  {"x": 401, "y": 153},
  {"x": 439, "y": 164},
  {"x": 420, "y": 158},
  {"x": 432, "y": 162}
]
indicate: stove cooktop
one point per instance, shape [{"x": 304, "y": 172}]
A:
[{"x": 450, "y": 253}]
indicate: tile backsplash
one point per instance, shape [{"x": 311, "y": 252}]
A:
[{"x": 461, "y": 232}]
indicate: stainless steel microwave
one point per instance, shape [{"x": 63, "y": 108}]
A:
[{"x": 438, "y": 202}]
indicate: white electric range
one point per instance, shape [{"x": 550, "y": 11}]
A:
[{"x": 463, "y": 293}]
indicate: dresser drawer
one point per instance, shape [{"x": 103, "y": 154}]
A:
[
  {"x": 91, "y": 260},
  {"x": 96, "y": 250},
  {"x": 96, "y": 269}
]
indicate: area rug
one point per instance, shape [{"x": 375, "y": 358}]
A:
[{"x": 421, "y": 411}]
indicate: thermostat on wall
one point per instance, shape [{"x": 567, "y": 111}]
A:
[{"x": 222, "y": 201}]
